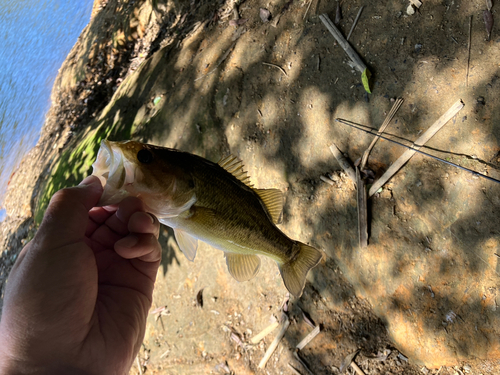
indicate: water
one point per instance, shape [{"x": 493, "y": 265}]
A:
[{"x": 35, "y": 38}]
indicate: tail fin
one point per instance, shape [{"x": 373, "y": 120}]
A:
[{"x": 294, "y": 272}]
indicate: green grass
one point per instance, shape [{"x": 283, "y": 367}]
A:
[{"x": 75, "y": 164}]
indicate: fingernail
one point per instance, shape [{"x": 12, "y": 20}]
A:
[
  {"x": 129, "y": 241},
  {"x": 151, "y": 217}
]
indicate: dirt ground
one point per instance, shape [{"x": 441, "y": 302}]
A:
[{"x": 214, "y": 78}]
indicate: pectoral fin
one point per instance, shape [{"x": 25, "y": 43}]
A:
[
  {"x": 242, "y": 267},
  {"x": 187, "y": 243}
]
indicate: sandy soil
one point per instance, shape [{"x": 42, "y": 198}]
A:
[{"x": 190, "y": 75}]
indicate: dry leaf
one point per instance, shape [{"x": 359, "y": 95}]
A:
[
  {"x": 488, "y": 22},
  {"x": 338, "y": 14}
]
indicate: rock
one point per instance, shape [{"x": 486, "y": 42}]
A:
[{"x": 265, "y": 15}]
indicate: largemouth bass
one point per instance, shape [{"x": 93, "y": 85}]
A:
[{"x": 202, "y": 200}]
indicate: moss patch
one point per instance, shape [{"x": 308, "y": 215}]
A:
[{"x": 76, "y": 162}]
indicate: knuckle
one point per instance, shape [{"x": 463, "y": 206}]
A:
[{"x": 62, "y": 195}]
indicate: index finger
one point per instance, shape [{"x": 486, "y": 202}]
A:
[
  {"x": 68, "y": 213},
  {"x": 98, "y": 216}
]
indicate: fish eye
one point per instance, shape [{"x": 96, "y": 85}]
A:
[{"x": 145, "y": 156}]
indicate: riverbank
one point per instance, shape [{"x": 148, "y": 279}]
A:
[{"x": 217, "y": 78}]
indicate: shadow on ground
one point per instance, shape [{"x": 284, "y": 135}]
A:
[{"x": 430, "y": 273}]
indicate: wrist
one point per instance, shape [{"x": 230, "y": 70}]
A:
[{"x": 11, "y": 365}]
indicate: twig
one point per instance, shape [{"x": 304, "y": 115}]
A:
[
  {"x": 307, "y": 10},
  {"x": 362, "y": 211},
  {"x": 355, "y": 22},
  {"x": 306, "y": 340},
  {"x": 221, "y": 60},
  {"x": 304, "y": 365},
  {"x": 386, "y": 122},
  {"x": 416, "y": 145},
  {"x": 275, "y": 66},
  {"x": 374, "y": 131},
  {"x": 356, "y": 368},
  {"x": 294, "y": 370},
  {"x": 468, "y": 53},
  {"x": 308, "y": 319},
  {"x": 358, "y": 63},
  {"x": 139, "y": 365},
  {"x": 344, "y": 164},
  {"x": 327, "y": 180},
  {"x": 417, "y": 3},
  {"x": 274, "y": 344},
  {"x": 266, "y": 331}
]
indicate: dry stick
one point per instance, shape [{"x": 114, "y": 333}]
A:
[
  {"x": 294, "y": 370},
  {"x": 220, "y": 61},
  {"x": 417, "y": 3},
  {"x": 307, "y": 10},
  {"x": 274, "y": 344},
  {"x": 374, "y": 132},
  {"x": 304, "y": 365},
  {"x": 256, "y": 339},
  {"x": 344, "y": 164},
  {"x": 356, "y": 368},
  {"x": 306, "y": 340},
  {"x": 468, "y": 53},
  {"x": 416, "y": 145},
  {"x": 275, "y": 66},
  {"x": 139, "y": 365},
  {"x": 359, "y": 64},
  {"x": 355, "y": 22},
  {"x": 386, "y": 122},
  {"x": 327, "y": 180},
  {"x": 362, "y": 211}
]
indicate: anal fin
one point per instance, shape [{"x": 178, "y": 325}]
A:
[
  {"x": 187, "y": 243},
  {"x": 242, "y": 266}
]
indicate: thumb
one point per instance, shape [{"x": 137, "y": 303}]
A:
[{"x": 66, "y": 217}]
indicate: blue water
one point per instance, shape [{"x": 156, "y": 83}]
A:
[{"x": 35, "y": 38}]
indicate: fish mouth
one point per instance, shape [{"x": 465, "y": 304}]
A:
[
  {"x": 109, "y": 168},
  {"x": 102, "y": 166}
]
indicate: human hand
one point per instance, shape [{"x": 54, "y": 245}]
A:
[{"x": 78, "y": 296}]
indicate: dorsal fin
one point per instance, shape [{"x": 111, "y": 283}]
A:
[
  {"x": 273, "y": 200},
  {"x": 234, "y": 165}
]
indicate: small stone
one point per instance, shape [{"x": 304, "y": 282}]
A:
[
  {"x": 480, "y": 100},
  {"x": 410, "y": 10},
  {"x": 265, "y": 15},
  {"x": 418, "y": 48}
]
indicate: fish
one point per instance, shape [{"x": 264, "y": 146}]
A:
[{"x": 211, "y": 202}]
